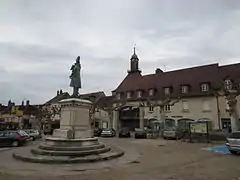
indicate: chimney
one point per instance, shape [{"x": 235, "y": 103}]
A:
[
  {"x": 158, "y": 70},
  {"x": 61, "y": 92},
  {"x": 57, "y": 92},
  {"x": 27, "y": 102},
  {"x": 9, "y": 103},
  {"x": 22, "y": 103}
]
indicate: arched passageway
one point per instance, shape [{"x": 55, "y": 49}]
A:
[{"x": 129, "y": 117}]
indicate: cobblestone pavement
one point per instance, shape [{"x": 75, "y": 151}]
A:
[{"x": 144, "y": 160}]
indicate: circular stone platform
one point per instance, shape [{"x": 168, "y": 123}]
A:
[{"x": 58, "y": 150}]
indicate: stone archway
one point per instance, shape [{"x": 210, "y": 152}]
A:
[
  {"x": 129, "y": 117},
  {"x": 208, "y": 121},
  {"x": 169, "y": 122},
  {"x": 183, "y": 123}
]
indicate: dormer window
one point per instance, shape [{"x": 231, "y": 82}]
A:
[
  {"x": 151, "y": 92},
  {"x": 118, "y": 96},
  {"x": 184, "y": 89},
  {"x": 129, "y": 95},
  {"x": 167, "y": 91},
  {"x": 228, "y": 84},
  {"x": 205, "y": 87},
  {"x": 139, "y": 94}
]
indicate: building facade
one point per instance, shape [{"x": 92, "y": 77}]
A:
[
  {"x": 23, "y": 116},
  {"x": 175, "y": 96},
  {"x": 101, "y": 118}
]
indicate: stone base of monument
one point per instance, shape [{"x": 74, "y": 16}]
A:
[
  {"x": 73, "y": 142},
  {"x": 56, "y": 150}
]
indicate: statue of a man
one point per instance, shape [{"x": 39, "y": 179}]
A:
[{"x": 75, "y": 77}]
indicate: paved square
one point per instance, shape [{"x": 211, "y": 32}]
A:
[{"x": 153, "y": 160}]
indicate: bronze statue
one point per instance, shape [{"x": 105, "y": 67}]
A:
[{"x": 75, "y": 77}]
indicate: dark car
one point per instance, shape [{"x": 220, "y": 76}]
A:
[
  {"x": 97, "y": 132},
  {"x": 125, "y": 132},
  {"x": 108, "y": 132},
  {"x": 13, "y": 138},
  {"x": 140, "y": 133}
]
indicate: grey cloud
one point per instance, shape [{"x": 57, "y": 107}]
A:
[{"x": 41, "y": 39}]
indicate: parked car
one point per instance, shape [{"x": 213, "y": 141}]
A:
[
  {"x": 173, "y": 133},
  {"x": 140, "y": 133},
  {"x": 33, "y": 134},
  {"x": 233, "y": 142},
  {"x": 97, "y": 132},
  {"x": 125, "y": 132},
  {"x": 13, "y": 138},
  {"x": 108, "y": 133}
]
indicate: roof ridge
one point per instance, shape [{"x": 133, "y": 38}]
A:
[{"x": 184, "y": 69}]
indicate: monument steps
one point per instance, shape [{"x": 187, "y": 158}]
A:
[
  {"x": 70, "y": 153},
  {"x": 27, "y": 156},
  {"x": 70, "y": 148}
]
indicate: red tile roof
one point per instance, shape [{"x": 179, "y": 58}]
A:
[
  {"x": 58, "y": 98},
  {"x": 92, "y": 96},
  {"x": 194, "y": 77}
]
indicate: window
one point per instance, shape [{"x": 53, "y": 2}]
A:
[
  {"x": 167, "y": 91},
  {"x": 128, "y": 95},
  {"x": 185, "y": 106},
  {"x": 228, "y": 84},
  {"x": 206, "y": 106},
  {"x": 151, "y": 108},
  {"x": 184, "y": 89},
  {"x": 227, "y": 105},
  {"x": 151, "y": 91},
  {"x": 205, "y": 87},
  {"x": 118, "y": 96},
  {"x": 139, "y": 94},
  {"x": 167, "y": 108}
]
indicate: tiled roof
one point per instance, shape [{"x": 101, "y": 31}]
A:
[
  {"x": 58, "y": 98},
  {"x": 92, "y": 96},
  {"x": 27, "y": 109},
  {"x": 193, "y": 77},
  {"x": 3, "y": 108},
  {"x": 31, "y": 110},
  {"x": 105, "y": 102}
]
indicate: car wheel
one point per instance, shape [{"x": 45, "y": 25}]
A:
[
  {"x": 15, "y": 143},
  {"x": 31, "y": 138},
  {"x": 233, "y": 152}
]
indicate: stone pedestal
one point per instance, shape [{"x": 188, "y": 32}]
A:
[
  {"x": 73, "y": 142},
  {"x": 74, "y": 121}
]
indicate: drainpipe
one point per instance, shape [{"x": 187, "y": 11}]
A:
[{"x": 218, "y": 112}]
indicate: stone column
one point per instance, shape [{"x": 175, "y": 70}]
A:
[
  {"x": 141, "y": 117},
  {"x": 234, "y": 119},
  {"x": 115, "y": 120}
]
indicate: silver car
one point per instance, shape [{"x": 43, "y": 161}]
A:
[
  {"x": 33, "y": 134},
  {"x": 233, "y": 142},
  {"x": 172, "y": 133},
  {"x": 108, "y": 133}
]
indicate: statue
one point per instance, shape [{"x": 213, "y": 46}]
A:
[{"x": 75, "y": 77}]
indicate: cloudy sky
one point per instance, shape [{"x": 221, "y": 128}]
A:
[{"x": 40, "y": 40}]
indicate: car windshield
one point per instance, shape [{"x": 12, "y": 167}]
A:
[
  {"x": 107, "y": 130},
  {"x": 235, "y": 135},
  {"x": 139, "y": 130},
  {"x": 22, "y": 133},
  {"x": 27, "y": 131}
]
